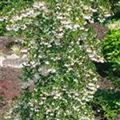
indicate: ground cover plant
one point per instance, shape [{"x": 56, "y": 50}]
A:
[{"x": 58, "y": 39}]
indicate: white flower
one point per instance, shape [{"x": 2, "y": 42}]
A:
[
  {"x": 16, "y": 18},
  {"x": 24, "y": 15},
  {"x": 87, "y": 99},
  {"x": 46, "y": 43},
  {"x": 47, "y": 62},
  {"x": 107, "y": 15},
  {"x": 95, "y": 79},
  {"x": 70, "y": 69},
  {"x": 8, "y": 28},
  {"x": 86, "y": 7},
  {"x": 1, "y": 19},
  {"x": 82, "y": 28},
  {"x": 57, "y": 96},
  {"x": 76, "y": 26},
  {"x": 49, "y": 45},
  {"x": 36, "y": 76},
  {"x": 75, "y": 80},
  {"x": 90, "y": 97},
  {"x": 30, "y": 12},
  {"x": 60, "y": 35},
  {"x": 66, "y": 65},
  {"x": 41, "y": 103},
  {"x": 16, "y": 28},
  {"x": 38, "y": 5},
  {"x": 93, "y": 10},
  {"x": 92, "y": 88},
  {"x": 44, "y": 71},
  {"x": 97, "y": 86},
  {"x": 87, "y": 17},
  {"x": 23, "y": 27},
  {"x": 91, "y": 84},
  {"x": 53, "y": 70},
  {"x": 60, "y": 17},
  {"x": 65, "y": 22}
]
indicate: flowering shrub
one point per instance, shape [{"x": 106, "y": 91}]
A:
[{"x": 57, "y": 37}]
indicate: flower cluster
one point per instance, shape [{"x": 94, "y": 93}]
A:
[
  {"x": 25, "y": 17},
  {"x": 91, "y": 11},
  {"x": 114, "y": 25},
  {"x": 94, "y": 11}
]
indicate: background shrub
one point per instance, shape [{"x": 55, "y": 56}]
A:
[
  {"x": 2, "y": 28},
  {"x": 111, "y": 50},
  {"x": 107, "y": 103}
]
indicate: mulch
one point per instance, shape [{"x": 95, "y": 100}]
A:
[{"x": 10, "y": 86}]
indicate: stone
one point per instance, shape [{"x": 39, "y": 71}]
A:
[{"x": 13, "y": 56}]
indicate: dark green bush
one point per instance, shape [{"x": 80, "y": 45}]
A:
[
  {"x": 2, "y": 28},
  {"x": 111, "y": 50},
  {"x": 107, "y": 103}
]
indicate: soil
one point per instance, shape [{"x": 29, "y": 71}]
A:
[{"x": 10, "y": 86}]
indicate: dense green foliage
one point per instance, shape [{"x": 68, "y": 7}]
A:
[
  {"x": 111, "y": 49},
  {"x": 2, "y": 28},
  {"x": 107, "y": 102},
  {"x": 8, "y": 7}
]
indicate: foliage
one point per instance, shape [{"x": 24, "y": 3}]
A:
[
  {"x": 107, "y": 102},
  {"x": 114, "y": 79},
  {"x": 111, "y": 50},
  {"x": 16, "y": 49},
  {"x": 2, "y": 28},
  {"x": 8, "y": 7},
  {"x": 16, "y": 14},
  {"x": 116, "y": 9}
]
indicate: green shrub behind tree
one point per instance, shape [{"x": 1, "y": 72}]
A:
[{"x": 111, "y": 50}]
